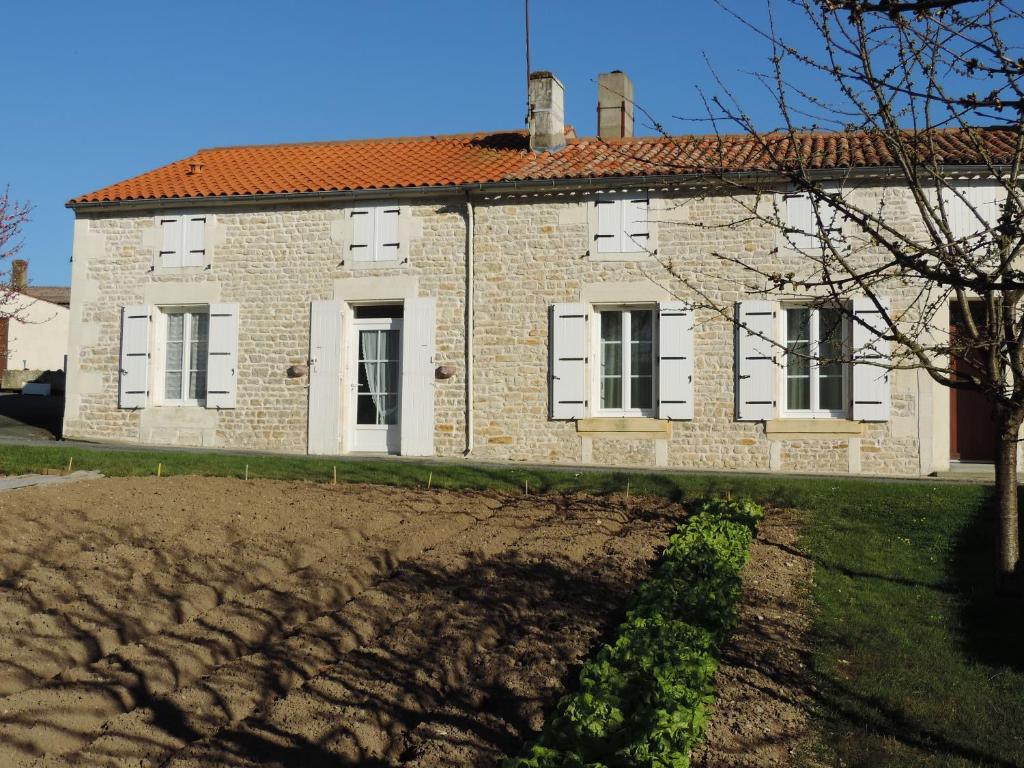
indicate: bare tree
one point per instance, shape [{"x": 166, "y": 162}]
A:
[{"x": 933, "y": 90}]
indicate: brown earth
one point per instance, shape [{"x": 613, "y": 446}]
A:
[
  {"x": 217, "y": 622},
  {"x": 762, "y": 691}
]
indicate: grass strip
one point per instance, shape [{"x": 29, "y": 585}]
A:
[{"x": 643, "y": 699}]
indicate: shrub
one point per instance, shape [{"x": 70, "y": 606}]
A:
[{"x": 643, "y": 699}]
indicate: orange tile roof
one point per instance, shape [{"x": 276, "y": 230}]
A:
[{"x": 483, "y": 158}]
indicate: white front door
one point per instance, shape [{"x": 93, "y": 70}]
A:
[{"x": 376, "y": 374}]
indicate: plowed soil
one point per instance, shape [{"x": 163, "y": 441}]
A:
[{"x": 217, "y": 622}]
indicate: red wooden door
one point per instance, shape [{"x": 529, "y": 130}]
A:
[{"x": 972, "y": 432}]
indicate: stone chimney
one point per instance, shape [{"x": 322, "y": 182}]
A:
[
  {"x": 547, "y": 112},
  {"x": 614, "y": 105},
  {"x": 19, "y": 275}
]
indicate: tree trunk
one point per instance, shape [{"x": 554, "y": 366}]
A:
[{"x": 1006, "y": 494}]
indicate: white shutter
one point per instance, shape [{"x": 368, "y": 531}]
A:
[
  {"x": 133, "y": 387},
  {"x": 675, "y": 360},
  {"x": 195, "y": 241},
  {"x": 324, "y": 378},
  {"x": 417, "y": 420},
  {"x": 801, "y": 221},
  {"x": 568, "y": 361},
  {"x": 636, "y": 229},
  {"x": 222, "y": 356},
  {"x": 361, "y": 247},
  {"x": 983, "y": 195},
  {"x": 755, "y": 360},
  {"x": 870, "y": 382},
  {"x": 171, "y": 236},
  {"x": 608, "y": 237},
  {"x": 386, "y": 231}
]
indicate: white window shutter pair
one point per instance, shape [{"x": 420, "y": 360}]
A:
[
  {"x": 757, "y": 374},
  {"x": 222, "y": 356},
  {"x": 871, "y": 357},
  {"x": 183, "y": 241},
  {"x": 806, "y": 218},
  {"x": 569, "y": 343},
  {"x": 375, "y": 233},
  {"x": 417, "y": 363},
  {"x": 623, "y": 224}
]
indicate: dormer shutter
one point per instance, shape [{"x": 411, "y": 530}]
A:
[
  {"x": 387, "y": 232},
  {"x": 170, "y": 248},
  {"x": 362, "y": 234},
  {"x": 635, "y": 226},
  {"x": 195, "y": 241}
]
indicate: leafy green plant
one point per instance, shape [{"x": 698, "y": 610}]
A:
[{"x": 643, "y": 699}]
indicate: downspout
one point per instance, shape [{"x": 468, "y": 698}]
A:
[{"x": 469, "y": 324}]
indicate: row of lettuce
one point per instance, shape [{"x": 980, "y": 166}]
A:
[{"x": 643, "y": 700}]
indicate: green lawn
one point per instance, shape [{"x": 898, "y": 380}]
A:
[{"x": 915, "y": 662}]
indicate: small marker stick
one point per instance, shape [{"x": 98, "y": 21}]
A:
[
  {"x": 246, "y": 471},
  {"x": 334, "y": 478},
  {"x": 159, "y": 469},
  {"x": 430, "y": 480},
  {"x": 71, "y": 461},
  {"x": 527, "y": 487},
  {"x": 627, "y": 491}
]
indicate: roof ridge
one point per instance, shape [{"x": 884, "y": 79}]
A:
[{"x": 439, "y": 137}]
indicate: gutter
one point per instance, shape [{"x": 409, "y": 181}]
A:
[
  {"x": 501, "y": 187},
  {"x": 470, "y": 309}
]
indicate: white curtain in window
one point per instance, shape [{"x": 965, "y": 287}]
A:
[{"x": 373, "y": 369}]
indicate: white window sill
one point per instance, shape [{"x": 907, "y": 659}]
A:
[{"x": 158, "y": 271}]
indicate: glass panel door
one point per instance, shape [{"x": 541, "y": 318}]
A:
[{"x": 375, "y": 377}]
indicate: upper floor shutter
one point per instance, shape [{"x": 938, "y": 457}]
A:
[
  {"x": 387, "y": 239},
  {"x": 871, "y": 358},
  {"x": 755, "y": 360},
  {"x": 222, "y": 356},
  {"x": 362, "y": 246},
  {"x": 171, "y": 241},
  {"x": 635, "y": 224},
  {"x": 609, "y": 225},
  {"x": 195, "y": 241},
  {"x": 801, "y": 221},
  {"x": 568, "y": 361},
  {"x": 981, "y": 195},
  {"x": 675, "y": 360},
  {"x": 133, "y": 381}
]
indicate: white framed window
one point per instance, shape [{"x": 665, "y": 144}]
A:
[
  {"x": 376, "y": 233},
  {"x": 622, "y": 224},
  {"x": 626, "y": 344},
  {"x": 182, "y": 240},
  {"x": 815, "y": 380},
  {"x": 185, "y": 341},
  {"x": 808, "y": 222}
]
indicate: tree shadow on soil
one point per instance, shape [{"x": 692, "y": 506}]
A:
[{"x": 455, "y": 660}]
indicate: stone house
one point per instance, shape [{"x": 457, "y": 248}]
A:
[{"x": 519, "y": 296}]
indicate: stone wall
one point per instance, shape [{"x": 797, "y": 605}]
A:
[{"x": 530, "y": 252}]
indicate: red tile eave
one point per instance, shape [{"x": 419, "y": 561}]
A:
[{"x": 471, "y": 159}]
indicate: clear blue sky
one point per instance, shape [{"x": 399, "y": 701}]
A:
[{"x": 95, "y": 92}]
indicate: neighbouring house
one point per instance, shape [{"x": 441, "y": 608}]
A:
[
  {"x": 33, "y": 330},
  {"x": 516, "y": 296}
]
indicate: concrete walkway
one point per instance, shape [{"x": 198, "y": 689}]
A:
[{"x": 27, "y": 481}]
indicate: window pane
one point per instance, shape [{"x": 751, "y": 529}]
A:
[
  {"x": 611, "y": 359},
  {"x": 199, "y": 345},
  {"x": 641, "y": 361},
  {"x": 830, "y": 353},
  {"x": 174, "y": 359},
  {"x": 798, "y": 364}
]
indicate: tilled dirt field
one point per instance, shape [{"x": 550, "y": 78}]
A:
[{"x": 216, "y": 622}]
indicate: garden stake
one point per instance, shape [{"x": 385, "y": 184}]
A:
[
  {"x": 334, "y": 478},
  {"x": 246, "y": 471},
  {"x": 627, "y": 493},
  {"x": 527, "y": 487},
  {"x": 70, "y": 461},
  {"x": 159, "y": 467},
  {"x": 430, "y": 479}
]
